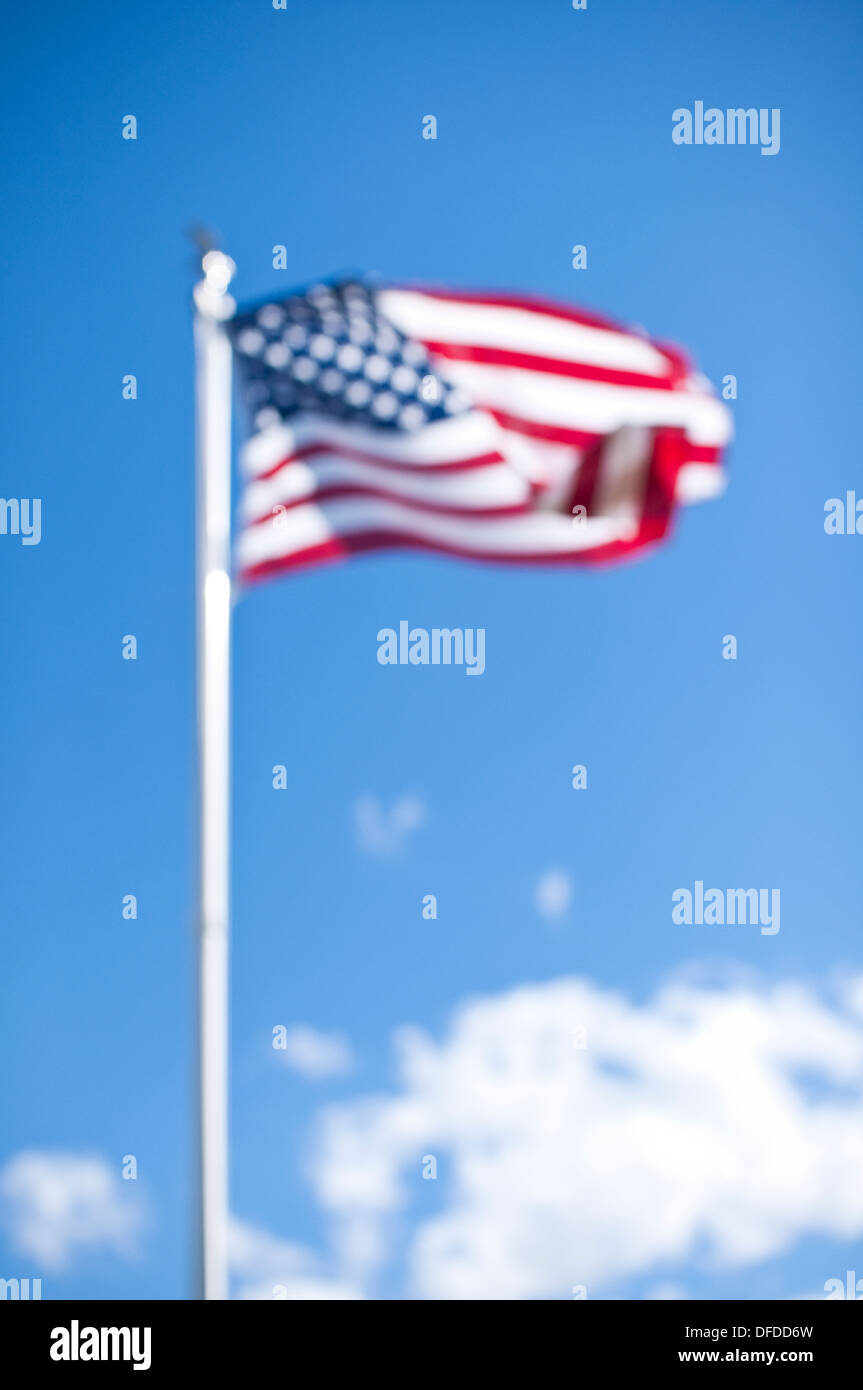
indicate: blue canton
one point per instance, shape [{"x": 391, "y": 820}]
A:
[{"x": 328, "y": 351}]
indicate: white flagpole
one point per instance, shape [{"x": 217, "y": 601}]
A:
[{"x": 213, "y": 396}]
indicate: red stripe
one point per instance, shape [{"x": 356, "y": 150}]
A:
[
  {"x": 341, "y": 547},
  {"x": 582, "y": 494},
  {"x": 586, "y": 439},
  {"x": 669, "y": 453},
  {"x": 552, "y": 366},
  {"x": 510, "y": 299},
  {"x": 310, "y": 451},
  {"x": 586, "y": 479},
  {"x": 703, "y": 453},
  {"x": 551, "y": 308},
  {"x": 539, "y": 429},
  {"x": 669, "y": 448},
  {"x": 333, "y": 491}
]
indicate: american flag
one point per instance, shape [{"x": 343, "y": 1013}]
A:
[{"x": 498, "y": 427}]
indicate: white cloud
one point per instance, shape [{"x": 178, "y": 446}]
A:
[
  {"x": 56, "y": 1204},
  {"x": 383, "y": 832},
  {"x": 852, "y": 992},
  {"x": 684, "y": 1131},
  {"x": 553, "y": 894},
  {"x": 270, "y": 1268},
  {"x": 316, "y": 1055}
]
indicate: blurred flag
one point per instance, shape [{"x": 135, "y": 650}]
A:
[{"x": 498, "y": 427}]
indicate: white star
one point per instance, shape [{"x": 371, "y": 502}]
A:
[
  {"x": 271, "y": 316},
  {"x": 349, "y": 357},
  {"x": 455, "y": 401},
  {"x": 359, "y": 393},
  {"x": 304, "y": 369},
  {"x": 322, "y": 347},
  {"x": 404, "y": 379},
  {"x": 385, "y": 405},
  {"x": 414, "y": 354},
  {"x": 377, "y": 368},
  {"x": 331, "y": 381},
  {"x": 250, "y": 341},
  {"x": 277, "y": 355},
  {"x": 412, "y": 416},
  {"x": 386, "y": 340}
]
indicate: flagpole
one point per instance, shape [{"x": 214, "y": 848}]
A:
[{"x": 213, "y": 586}]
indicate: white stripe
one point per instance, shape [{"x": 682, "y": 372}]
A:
[
  {"x": 591, "y": 405},
  {"x": 556, "y": 467},
  {"x": 541, "y": 533},
  {"x": 544, "y": 461},
  {"x": 699, "y": 482},
  {"x": 444, "y": 441},
  {"x": 518, "y": 330},
  {"x": 494, "y": 485}
]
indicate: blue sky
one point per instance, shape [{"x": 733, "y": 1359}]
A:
[{"x": 303, "y": 127}]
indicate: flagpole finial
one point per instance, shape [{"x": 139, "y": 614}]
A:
[{"x": 211, "y": 294}]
